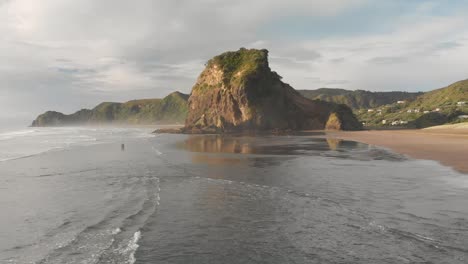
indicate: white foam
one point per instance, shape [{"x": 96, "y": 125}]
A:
[
  {"x": 374, "y": 225},
  {"x": 157, "y": 151},
  {"x": 455, "y": 179},
  {"x": 133, "y": 246},
  {"x": 15, "y": 134},
  {"x": 425, "y": 238},
  {"x": 33, "y": 141},
  {"x": 116, "y": 231}
]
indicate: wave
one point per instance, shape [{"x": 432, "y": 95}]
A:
[
  {"x": 16, "y": 134},
  {"x": 125, "y": 243},
  {"x": 116, "y": 231},
  {"x": 29, "y": 142},
  {"x": 133, "y": 246},
  {"x": 155, "y": 150}
]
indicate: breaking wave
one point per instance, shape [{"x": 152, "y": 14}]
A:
[
  {"x": 35, "y": 141},
  {"x": 133, "y": 246}
]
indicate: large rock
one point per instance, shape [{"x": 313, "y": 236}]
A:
[
  {"x": 238, "y": 91},
  {"x": 51, "y": 118}
]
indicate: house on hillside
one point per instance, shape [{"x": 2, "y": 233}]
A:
[
  {"x": 384, "y": 122},
  {"x": 370, "y": 110},
  {"x": 463, "y": 116},
  {"x": 461, "y": 103},
  {"x": 401, "y": 102},
  {"x": 399, "y": 122},
  {"x": 410, "y": 111}
]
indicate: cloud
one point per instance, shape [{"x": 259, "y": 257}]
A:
[
  {"x": 419, "y": 53},
  {"x": 388, "y": 60},
  {"x": 447, "y": 45},
  {"x": 286, "y": 62},
  {"x": 89, "y": 39},
  {"x": 337, "y": 82},
  {"x": 337, "y": 60}
]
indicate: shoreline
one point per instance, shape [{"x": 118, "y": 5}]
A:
[{"x": 448, "y": 147}]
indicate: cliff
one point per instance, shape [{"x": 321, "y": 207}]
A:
[
  {"x": 170, "y": 109},
  {"x": 238, "y": 91}
]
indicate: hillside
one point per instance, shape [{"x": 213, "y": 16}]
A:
[
  {"x": 358, "y": 99},
  {"x": 444, "y": 105},
  {"x": 238, "y": 91},
  {"x": 445, "y": 98},
  {"x": 170, "y": 109}
]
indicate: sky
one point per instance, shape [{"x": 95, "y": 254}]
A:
[{"x": 66, "y": 55}]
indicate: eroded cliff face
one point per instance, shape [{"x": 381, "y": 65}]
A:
[{"x": 237, "y": 91}]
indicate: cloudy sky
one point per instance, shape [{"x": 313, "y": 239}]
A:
[{"x": 69, "y": 54}]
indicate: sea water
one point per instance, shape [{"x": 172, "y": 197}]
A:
[{"x": 72, "y": 195}]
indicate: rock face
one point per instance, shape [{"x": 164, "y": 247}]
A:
[
  {"x": 238, "y": 91},
  {"x": 170, "y": 109}
]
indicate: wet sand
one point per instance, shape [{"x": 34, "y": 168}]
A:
[{"x": 447, "y": 146}]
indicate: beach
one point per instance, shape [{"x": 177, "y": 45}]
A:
[{"x": 446, "y": 145}]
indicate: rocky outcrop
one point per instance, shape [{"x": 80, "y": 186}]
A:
[
  {"x": 51, "y": 118},
  {"x": 238, "y": 91}
]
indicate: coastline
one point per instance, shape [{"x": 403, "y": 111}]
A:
[{"x": 447, "y": 146}]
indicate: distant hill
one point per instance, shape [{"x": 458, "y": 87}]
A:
[
  {"x": 170, "y": 109},
  {"x": 445, "y": 98},
  {"x": 437, "y": 107},
  {"x": 358, "y": 99}
]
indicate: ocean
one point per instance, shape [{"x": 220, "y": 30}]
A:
[{"x": 73, "y": 195}]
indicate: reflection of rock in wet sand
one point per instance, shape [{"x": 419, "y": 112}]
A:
[
  {"x": 334, "y": 143},
  {"x": 217, "y": 144},
  {"x": 214, "y": 145},
  {"x": 261, "y": 145}
]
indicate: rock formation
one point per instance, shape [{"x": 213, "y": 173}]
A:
[{"x": 238, "y": 91}]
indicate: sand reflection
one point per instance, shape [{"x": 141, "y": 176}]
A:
[
  {"x": 334, "y": 143},
  {"x": 218, "y": 144},
  {"x": 270, "y": 150},
  {"x": 214, "y": 160},
  {"x": 262, "y": 145}
]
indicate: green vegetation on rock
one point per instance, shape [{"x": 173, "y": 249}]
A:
[{"x": 243, "y": 61}]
